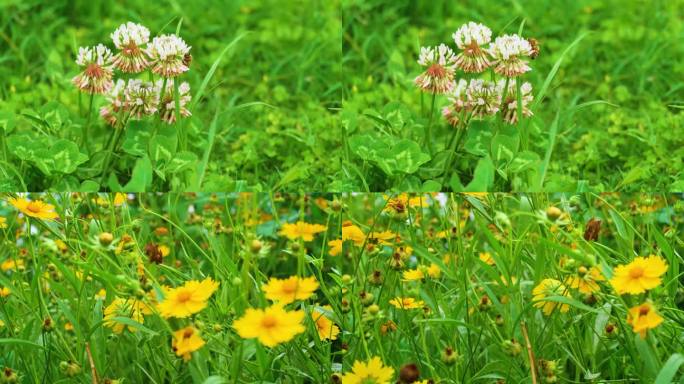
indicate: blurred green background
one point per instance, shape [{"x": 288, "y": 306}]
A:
[
  {"x": 632, "y": 57},
  {"x": 286, "y": 69}
]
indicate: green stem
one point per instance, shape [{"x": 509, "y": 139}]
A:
[
  {"x": 428, "y": 129},
  {"x": 86, "y": 127}
]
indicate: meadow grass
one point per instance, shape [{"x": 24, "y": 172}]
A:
[
  {"x": 264, "y": 80},
  {"x": 608, "y": 71},
  {"x": 470, "y": 262}
]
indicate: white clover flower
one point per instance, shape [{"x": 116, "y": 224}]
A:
[
  {"x": 96, "y": 78},
  {"x": 129, "y": 39},
  {"x": 167, "y": 105},
  {"x": 169, "y": 55},
  {"x": 439, "y": 76},
  {"x": 470, "y": 38},
  {"x": 116, "y": 102},
  {"x": 141, "y": 98},
  {"x": 508, "y": 52},
  {"x": 457, "y": 103},
  {"x": 510, "y": 104},
  {"x": 482, "y": 98}
]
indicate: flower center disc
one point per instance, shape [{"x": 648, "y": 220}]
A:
[
  {"x": 33, "y": 207},
  {"x": 636, "y": 272},
  {"x": 184, "y": 296},
  {"x": 269, "y": 322}
]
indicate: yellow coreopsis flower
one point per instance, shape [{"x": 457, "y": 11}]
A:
[
  {"x": 34, "y": 208},
  {"x": 422, "y": 272},
  {"x": 335, "y": 247},
  {"x": 486, "y": 258},
  {"x": 406, "y": 303},
  {"x": 400, "y": 203},
  {"x": 586, "y": 280},
  {"x": 643, "y": 317},
  {"x": 186, "y": 341},
  {"x": 129, "y": 308},
  {"x": 187, "y": 299},
  {"x": 11, "y": 264},
  {"x": 550, "y": 287},
  {"x": 286, "y": 291},
  {"x": 352, "y": 233},
  {"x": 271, "y": 326},
  {"x": 302, "y": 230},
  {"x": 642, "y": 274},
  {"x": 327, "y": 330},
  {"x": 4, "y": 292},
  {"x": 3, "y": 222},
  {"x": 372, "y": 372}
]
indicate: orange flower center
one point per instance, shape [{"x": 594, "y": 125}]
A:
[
  {"x": 269, "y": 322},
  {"x": 34, "y": 207},
  {"x": 636, "y": 272},
  {"x": 94, "y": 70},
  {"x": 436, "y": 70},
  {"x": 188, "y": 333},
  {"x": 290, "y": 287},
  {"x": 643, "y": 311},
  {"x": 184, "y": 296}
]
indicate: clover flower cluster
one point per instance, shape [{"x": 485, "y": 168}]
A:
[
  {"x": 167, "y": 56},
  {"x": 507, "y": 56}
]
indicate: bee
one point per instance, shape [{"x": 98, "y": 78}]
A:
[
  {"x": 187, "y": 59},
  {"x": 535, "y": 48}
]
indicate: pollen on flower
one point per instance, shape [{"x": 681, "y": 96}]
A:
[
  {"x": 168, "y": 55},
  {"x": 509, "y": 52},
  {"x": 129, "y": 39},
  {"x": 96, "y": 77},
  {"x": 470, "y": 38},
  {"x": 440, "y": 67}
]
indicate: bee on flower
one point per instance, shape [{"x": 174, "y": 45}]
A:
[
  {"x": 470, "y": 38},
  {"x": 169, "y": 55},
  {"x": 96, "y": 77},
  {"x": 509, "y": 53},
  {"x": 129, "y": 39},
  {"x": 440, "y": 63}
]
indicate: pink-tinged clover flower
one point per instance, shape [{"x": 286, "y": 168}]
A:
[
  {"x": 96, "y": 77},
  {"x": 438, "y": 77}
]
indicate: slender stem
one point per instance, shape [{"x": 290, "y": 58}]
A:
[
  {"x": 428, "y": 129},
  {"x": 86, "y": 127},
  {"x": 3, "y": 145},
  {"x": 450, "y": 161}
]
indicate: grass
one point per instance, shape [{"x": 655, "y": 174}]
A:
[
  {"x": 267, "y": 75},
  {"x": 490, "y": 250},
  {"x": 604, "y": 109}
]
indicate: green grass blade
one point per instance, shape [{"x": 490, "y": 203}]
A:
[{"x": 210, "y": 74}]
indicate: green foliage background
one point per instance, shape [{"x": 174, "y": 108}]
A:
[
  {"x": 274, "y": 95},
  {"x": 631, "y": 58}
]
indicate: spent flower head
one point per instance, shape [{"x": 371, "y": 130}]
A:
[
  {"x": 439, "y": 75},
  {"x": 509, "y": 52},
  {"x": 167, "y": 105},
  {"x": 129, "y": 39},
  {"x": 169, "y": 55},
  {"x": 470, "y": 38},
  {"x": 96, "y": 77},
  {"x": 510, "y": 103},
  {"x": 115, "y": 97}
]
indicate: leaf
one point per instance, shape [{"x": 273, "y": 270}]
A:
[
  {"x": 405, "y": 156},
  {"x": 669, "y": 369},
  {"x": 63, "y": 156},
  {"x": 7, "y": 121},
  {"x": 136, "y": 138},
  {"x": 504, "y": 148},
  {"x": 142, "y": 176},
  {"x": 162, "y": 149},
  {"x": 478, "y": 138},
  {"x": 182, "y": 161},
  {"x": 483, "y": 180}
]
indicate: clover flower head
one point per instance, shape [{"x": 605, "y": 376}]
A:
[
  {"x": 129, "y": 38},
  {"x": 457, "y": 102},
  {"x": 439, "y": 75},
  {"x": 167, "y": 103},
  {"x": 508, "y": 52},
  {"x": 115, "y": 97},
  {"x": 96, "y": 78},
  {"x": 470, "y": 38},
  {"x": 141, "y": 98},
  {"x": 483, "y": 98},
  {"x": 169, "y": 55},
  {"x": 510, "y": 103}
]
